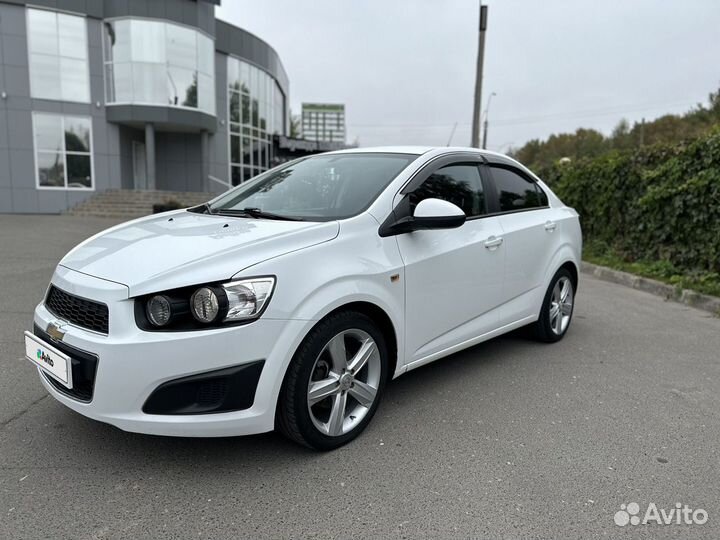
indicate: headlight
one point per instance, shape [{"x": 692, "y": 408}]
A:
[
  {"x": 158, "y": 310},
  {"x": 204, "y": 306},
  {"x": 247, "y": 298}
]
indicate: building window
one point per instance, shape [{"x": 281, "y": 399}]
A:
[
  {"x": 323, "y": 122},
  {"x": 63, "y": 151},
  {"x": 57, "y": 45},
  {"x": 256, "y": 111},
  {"x": 157, "y": 63}
]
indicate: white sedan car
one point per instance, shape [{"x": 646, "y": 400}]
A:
[{"x": 289, "y": 301}]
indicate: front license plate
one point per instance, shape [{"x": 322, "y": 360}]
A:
[{"x": 51, "y": 361}]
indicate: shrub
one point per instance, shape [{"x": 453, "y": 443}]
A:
[{"x": 659, "y": 203}]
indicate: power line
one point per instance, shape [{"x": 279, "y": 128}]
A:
[
  {"x": 579, "y": 114},
  {"x": 569, "y": 115}
]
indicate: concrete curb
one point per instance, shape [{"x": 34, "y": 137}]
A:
[{"x": 688, "y": 297}]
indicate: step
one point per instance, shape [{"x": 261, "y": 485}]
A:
[{"x": 132, "y": 203}]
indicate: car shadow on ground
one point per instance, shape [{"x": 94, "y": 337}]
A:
[{"x": 106, "y": 444}]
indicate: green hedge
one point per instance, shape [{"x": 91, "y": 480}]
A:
[{"x": 659, "y": 204}]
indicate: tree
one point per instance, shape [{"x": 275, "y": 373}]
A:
[
  {"x": 294, "y": 126},
  {"x": 589, "y": 143},
  {"x": 620, "y": 137}
]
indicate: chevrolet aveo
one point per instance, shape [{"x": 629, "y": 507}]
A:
[{"x": 289, "y": 301}]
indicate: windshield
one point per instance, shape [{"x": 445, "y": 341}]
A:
[{"x": 317, "y": 188}]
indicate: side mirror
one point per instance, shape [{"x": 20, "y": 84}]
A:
[
  {"x": 437, "y": 214},
  {"x": 428, "y": 214}
]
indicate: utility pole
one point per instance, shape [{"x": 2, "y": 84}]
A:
[
  {"x": 485, "y": 124},
  {"x": 478, "y": 79},
  {"x": 642, "y": 132}
]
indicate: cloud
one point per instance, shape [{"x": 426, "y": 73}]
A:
[{"x": 405, "y": 68}]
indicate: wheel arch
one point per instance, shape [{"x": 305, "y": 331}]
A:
[
  {"x": 571, "y": 267},
  {"x": 564, "y": 257},
  {"x": 377, "y": 314},
  {"x": 384, "y": 322},
  {"x": 372, "y": 310}
]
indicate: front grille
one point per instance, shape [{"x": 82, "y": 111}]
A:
[
  {"x": 78, "y": 311},
  {"x": 211, "y": 394},
  {"x": 84, "y": 368}
]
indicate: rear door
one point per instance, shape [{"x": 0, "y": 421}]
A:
[
  {"x": 453, "y": 277},
  {"x": 530, "y": 239}
]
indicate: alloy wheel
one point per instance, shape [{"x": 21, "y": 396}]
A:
[
  {"x": 344, "y": 382},
  {"x": 561, "y": 305}
]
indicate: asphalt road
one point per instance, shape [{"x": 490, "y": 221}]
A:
[{"x": 508, "y": 439}]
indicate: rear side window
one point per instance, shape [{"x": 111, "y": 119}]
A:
[
  {"x": 458, "y": 184},
  {"x": 516, "y": 192}
]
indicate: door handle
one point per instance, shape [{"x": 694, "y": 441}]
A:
[
  {"x": 550, "y": 226},
  {"x": 493, "y": 242}
]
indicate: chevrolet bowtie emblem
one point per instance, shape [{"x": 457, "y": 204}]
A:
[{"x": 56, "y": 332}]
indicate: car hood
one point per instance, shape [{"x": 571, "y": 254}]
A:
[{"x": 183, "y": 248}]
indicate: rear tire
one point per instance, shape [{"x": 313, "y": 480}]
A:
[
  {"x": 334, "y": 382},
  {"x": 557, "y": 308}
]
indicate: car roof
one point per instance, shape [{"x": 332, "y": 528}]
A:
[
  {"x": 436, "y": 151},
  {"x": 417, "y": 150}
]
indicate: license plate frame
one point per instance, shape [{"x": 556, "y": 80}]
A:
[{"x": 49, "y": 359}]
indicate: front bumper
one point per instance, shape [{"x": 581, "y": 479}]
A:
[{"x": 131, "y": 364}]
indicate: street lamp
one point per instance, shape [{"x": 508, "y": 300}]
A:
[{"x": 485, "y": 125}]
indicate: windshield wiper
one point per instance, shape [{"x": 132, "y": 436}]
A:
[{"x": 252, "y": 212}]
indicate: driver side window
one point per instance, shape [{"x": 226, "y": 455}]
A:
[{"x": 458, "y": 184}]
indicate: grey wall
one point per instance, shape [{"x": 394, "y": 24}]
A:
[
  {"x": 17, "y": 180},
  {"x": 178, "y": 162},
  {"x": 219, "y": 153},
  {"x": 127, "y": 136}
]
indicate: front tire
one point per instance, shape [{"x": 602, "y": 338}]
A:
[
  {"x": 557, "y": 308},
  {"x": 334, "y": 382}
]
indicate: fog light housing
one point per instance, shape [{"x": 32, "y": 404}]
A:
[{"x": 159, "y": 310}]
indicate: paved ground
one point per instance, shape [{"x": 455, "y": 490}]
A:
[{"x": 508, "y": 439}]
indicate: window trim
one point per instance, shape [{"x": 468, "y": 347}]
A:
[
  {"x": 419, "y": 176},
  {"x": 486, "y": 170},
  {"x": 59, "y": 56},
  {"x": 484, "y": 165},
  {"x": 468, "y": 163},
  {"x": 64, "y": 152},
  {"x": 438, "y": 162}
]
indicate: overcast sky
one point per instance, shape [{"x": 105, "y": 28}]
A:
[{"x": 405, "y": 69}]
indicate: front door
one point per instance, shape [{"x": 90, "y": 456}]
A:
[
  {"x": 453, "y": 277},
  {"x": 139, "y": 166}
]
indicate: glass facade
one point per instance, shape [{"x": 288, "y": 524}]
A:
[
  {"x": 58, "y": 51},
  {"x": 63, "y": 151},
  {"x": 158, "y": 63},
  {"x": 257, "y": 110}
]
